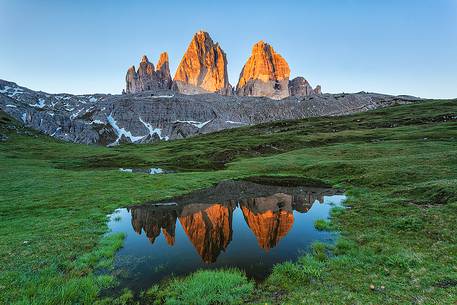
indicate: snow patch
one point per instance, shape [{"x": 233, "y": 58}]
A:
[
  {"x": 12, "y": 106},
  {"x": 74, "y": 115},
  {"x": 162, "y": 96},
  {"x": 39, "y": 104},
  {"x": 153, "y": 131},
  {"x": 97, "y": 122},
  {"x": 234, "y": 122},
  {"x": 58, "y": 128},
  {"x": 92, "y": 99},
  {"x": 121, "y": 132},
  {"x": 12, "y": 91},
  {"x": 24, "y": 117},
  {"x": 194, "y": 123}
]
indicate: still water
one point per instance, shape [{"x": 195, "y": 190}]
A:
[{"x": 233, "y": 224}]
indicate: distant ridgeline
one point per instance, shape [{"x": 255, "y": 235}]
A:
[{"x": 203, "y": 69}]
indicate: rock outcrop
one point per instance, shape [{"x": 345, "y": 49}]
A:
[
  {"x": 203, "y": 68},
  {"x": 265, "y": 73},
  {"x": 299, "y": 86},
  {"x": 318, "y": 89},
  {"x": 146, "y": 77}
]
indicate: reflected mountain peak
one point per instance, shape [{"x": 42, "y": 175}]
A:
[{"x": 206, "y": 215}]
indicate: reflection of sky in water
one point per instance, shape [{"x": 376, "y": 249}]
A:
[
  {"x": 264, "y": 231},
  {"x": 150, "y": 171}
]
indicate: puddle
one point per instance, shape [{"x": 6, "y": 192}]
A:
[
  {"x": 150, "y": 171},
  {"x": 234, "y": 224}
]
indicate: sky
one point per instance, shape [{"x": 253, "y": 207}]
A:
[{"x": 386, "y": 46}]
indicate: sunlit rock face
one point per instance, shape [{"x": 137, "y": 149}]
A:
[
  {"x": 266, "y": 73},
  {"x": 163, "y": 71},
  {"x": 203, "y": 68},
  {"x": 147, "y": 78},
  {"x": 318, "y": 89},
  {"x": 208, "y": 228},
  {"x": 153, "y": 222},
  {"x": 269, "y": 218}
]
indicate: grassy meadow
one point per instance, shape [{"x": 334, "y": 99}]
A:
[{"x": 398, "y": 241}]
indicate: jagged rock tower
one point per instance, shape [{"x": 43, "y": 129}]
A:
[
  {"x": 203, "y": 68},
  {"x": 266, "y": 73},
  {"x": 147, "y": 78}
]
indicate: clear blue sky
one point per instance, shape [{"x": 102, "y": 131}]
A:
[{"x": 389, "y": 46}]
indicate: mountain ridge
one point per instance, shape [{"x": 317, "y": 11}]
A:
[{"x": 147, "y": 117}]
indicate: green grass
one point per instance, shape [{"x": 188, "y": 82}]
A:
[
  {"x": 208, "y": 287},
  {"x": 323, "y": 225},
  {"x": 398, "y": 166}
]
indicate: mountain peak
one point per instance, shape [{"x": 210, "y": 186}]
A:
[
  {"x": 144, "y": 59},
  {"x": 266, "y": 73},
  {"x": 203, "y": 67},
  {"x": 147, "y": 77}
]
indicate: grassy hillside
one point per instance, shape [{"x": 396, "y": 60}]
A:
[{"x": 399, "y": 234}]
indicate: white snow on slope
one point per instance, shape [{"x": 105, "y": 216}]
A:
[
  {"x": 121, "y": 132},
  {"x": 39, "y": 104},
  {"x": 153, "y": 130},
  {"x": 58, "y": 128},
  {"x": 75, "y": 115},
  {"x": 162, "y": 96},
  {"x": 12, "y": 106},
  {"x": 24, "y": 117},
  {"x": 12, "y": 91},
  {"x": 194, "y": 123},
  {"x": 234, "y": 122}
]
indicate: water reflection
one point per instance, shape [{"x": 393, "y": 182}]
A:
[
  {"x": 234, "y": 224},
  {"x": 150, "y": 171}
]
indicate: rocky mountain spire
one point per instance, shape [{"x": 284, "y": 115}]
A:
[
  {"x": 163, "y": 70},
  {"x": 203, "y": 68},
  {"x": 146, "y": 77},
  {"x": 266, "y": 73}
]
